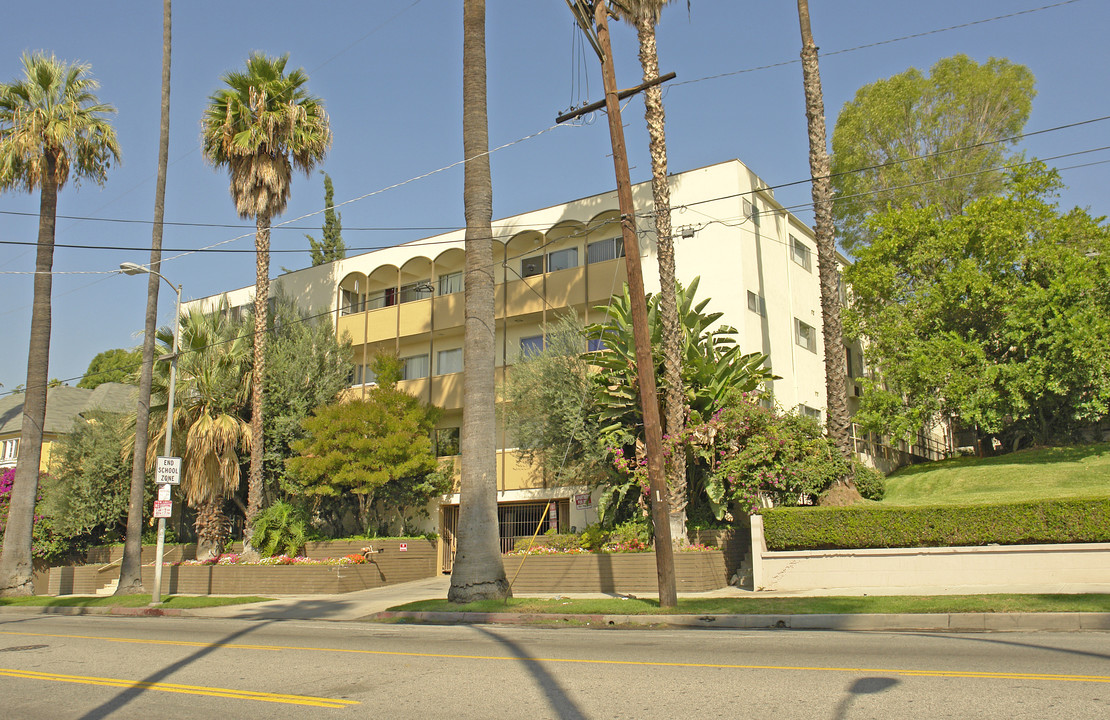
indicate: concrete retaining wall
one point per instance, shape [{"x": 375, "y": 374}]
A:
[
  {"x": 390, "y": 566},
  {"x": 1028, "y": 567},
  {"x": 614, "y": 572}
]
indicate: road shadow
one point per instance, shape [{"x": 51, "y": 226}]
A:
[
  {"x": 862, "y": 686},
  {"x": 1014, "y": 643},
  {"x": 561, "y": 703},
  {"x": 118, "y": 702}
]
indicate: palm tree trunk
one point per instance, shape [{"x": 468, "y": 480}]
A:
[
  {"x": 478, "y": 572},
  {"x": 15, "y": 561},
  {"x": 837, "y": 421},
  {"x": 211, "y": 526},
  {"x": 130, "y": 575},
  {"x": 674, "y": 395},
  {"x": 261, "y": 311}
]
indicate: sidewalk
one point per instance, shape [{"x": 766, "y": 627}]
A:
[{"x": 373, "y": 604}]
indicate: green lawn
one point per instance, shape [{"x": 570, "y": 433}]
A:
[
  {"x": 169, "y": 601},
  {"x": 1045, "y": 473},
  {"x": 782, "y": 606}
]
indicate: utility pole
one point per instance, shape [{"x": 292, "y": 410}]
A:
[{"x": 645, "y": 364}]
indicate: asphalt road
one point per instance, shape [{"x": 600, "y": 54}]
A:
[{"x": 100, "y": 667}]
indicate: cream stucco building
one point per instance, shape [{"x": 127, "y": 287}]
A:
[{"x": 755, "y": 259}]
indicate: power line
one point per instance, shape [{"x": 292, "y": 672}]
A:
[{"x": 875, "y": 44}]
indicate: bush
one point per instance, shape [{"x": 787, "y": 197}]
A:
[
  {"x": 870, "y": 482},
  {"x": 869, "y": 526},
  {"x": 280, "y": 529},
  {"x": 555, "y": 541}
]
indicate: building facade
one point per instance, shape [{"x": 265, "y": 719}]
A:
[{"x": 755, "y": 260}]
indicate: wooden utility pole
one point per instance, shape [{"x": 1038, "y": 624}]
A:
[{"x": 645, "y": 364}]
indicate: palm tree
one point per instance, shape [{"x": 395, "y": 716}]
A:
[
  {"x": 51, "y": 125},
  {"x": 478, "y": 573},
  {"x": 837, "y": 421},
  {"x": 644, "y": 16},
  {"x": 210, "y": 401},
  {"x": 130, "y": 574},
  {"x": 261, "y": 126}
]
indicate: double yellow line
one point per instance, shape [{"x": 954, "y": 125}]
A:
[{"x": 183, "y": 689}]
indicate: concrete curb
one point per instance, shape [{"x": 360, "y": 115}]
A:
[
  {"x": 71, "y": 610},
  {"x": 929, "y": 622}
]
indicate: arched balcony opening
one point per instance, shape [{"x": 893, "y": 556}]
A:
[
  {"x": 382, "y": 287},
  {"x": 352, "y": 294}
]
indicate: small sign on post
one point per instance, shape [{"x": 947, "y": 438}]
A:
[
  {"x": 583, "y": 501},
  {"x": 404, "y": 547},
  {"x": 163, "y": 508},
  {"x": 164, "y": 492},
  {"x": 167, "y": 470}
]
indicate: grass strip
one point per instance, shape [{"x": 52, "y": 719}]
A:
[
  {"x": 140, "y": 600},
  {"x": 886, "y": 604}
]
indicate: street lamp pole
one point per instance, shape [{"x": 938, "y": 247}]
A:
[{"x": 129, "y": 268}]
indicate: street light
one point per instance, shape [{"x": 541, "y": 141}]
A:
[{"x": 130, "y": 268}]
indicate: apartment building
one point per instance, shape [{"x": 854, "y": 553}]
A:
[{"x": 757, "y": 262}]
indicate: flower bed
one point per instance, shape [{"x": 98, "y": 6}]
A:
[{"x": 613, "y": 572}]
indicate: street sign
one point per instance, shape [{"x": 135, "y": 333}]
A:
[
  {"x": 164, "y": 492},
  {"x": 583, "y": 501},
  {"x": 404, "y": 547},
  {"x": 163, "y": 508},
  {"x": 167, "y": 470}
]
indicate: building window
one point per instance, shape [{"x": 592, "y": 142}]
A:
[
  {"x": 449, "y": 361},
  {"x": 348, "y": 301},
  {"x": 799, "y": 253},
  {"x": 416, "y": 290},
  {"x": 751, "y": 210},
  {"x": 805, "y": 335},
  {"x": 531, "y": 266},
  {"x": 447, "y": 441},
  {"x": 607, "y": 249},
  {"x": 363, "y": 375},
  {"x": 385, "y": 298},
  {"x": 562, "y": 259},
  {"x": 451, "y": 283},
  {"x": 10, "y": 450},
  {"x": 809, "y": 412},
  {"x": 531, "y": 345},
  {"x": 757, "y": 304},
  {"x": 414, "y": 366}
]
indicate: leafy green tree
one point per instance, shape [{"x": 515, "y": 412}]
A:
[
  {"x": 210, "y": 402},
  {"x": 358, "y": 446},
  {"x": 118, "y": 365},
  {"x": 87, "y": 494},
  {"x": 329, "y": 247},
  {"x": 998, "y": 318},
  {"x": 959, "y": 120},
  {"x": 550, "y": 405},
  {"x": 306, "y": 368},
  {"x": 51, "y": 125},
  {"x": 260, "y": 127}
]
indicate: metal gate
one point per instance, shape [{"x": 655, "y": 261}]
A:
[{"x": 515, "y": 521}]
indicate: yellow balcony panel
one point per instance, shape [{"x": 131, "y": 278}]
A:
[
  {"x": 418, "y": 387},
  {"x": 566, "y": 287},
  {"x": 353, "y": 325},
  {"x": 606, "y": 279},
  {"x": 523, "y": 297},
  {"x": 416, "y": 317},
  {"x": 449, "y": 311},
  {"x": 447, "y": 391},
  {"x": 381, "y": 324}
]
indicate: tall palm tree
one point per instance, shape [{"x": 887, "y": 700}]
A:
[
  {"x": 210, "y": 402},
  {"x": 51, "y": 125},
  {"x": 261, "y": 126},
  {"x": 130, "y": 574},
  {"x": 478, "y": 572},
  {"x": 837, "y": 420},
  {"x": 644, "y": 16}
]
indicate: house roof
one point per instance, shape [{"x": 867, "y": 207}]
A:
[{"x": 64, "y": 403}]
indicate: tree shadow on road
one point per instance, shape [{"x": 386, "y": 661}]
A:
[
  {"x": 862, "y": 686},
  {"x": 561, "y": 703}
]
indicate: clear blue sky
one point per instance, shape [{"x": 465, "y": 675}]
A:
[{"x": 389, "y": 72}]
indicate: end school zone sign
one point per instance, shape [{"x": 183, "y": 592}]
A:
[{"x": 167, "y": 471}]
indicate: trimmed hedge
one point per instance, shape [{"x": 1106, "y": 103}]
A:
[{"x": 874, "y": 526}]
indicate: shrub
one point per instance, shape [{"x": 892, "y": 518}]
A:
[
  {"x": 870, "y": 526},
  {"x": 870, "y": 482},
  {"x": 280, "y": 528},
  {"x": 554, "y": 541}
]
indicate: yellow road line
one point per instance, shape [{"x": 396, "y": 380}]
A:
[
  {"x": 184, "y": 689},
  {"x": 909, "y": 672}
]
